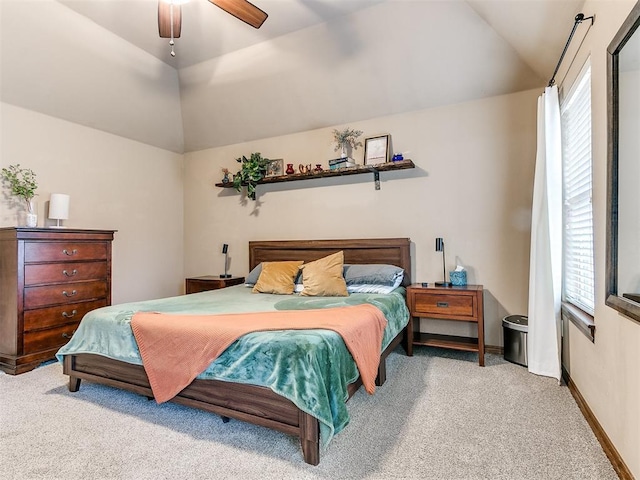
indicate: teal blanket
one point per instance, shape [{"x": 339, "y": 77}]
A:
[{"x": 312, "y": 368}]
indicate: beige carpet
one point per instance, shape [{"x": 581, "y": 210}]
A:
[{"x": 439, "y": 416}]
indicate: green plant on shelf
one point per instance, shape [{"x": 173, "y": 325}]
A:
[
  {"x": 345, "y": 139},
  {"x": 253, "y": 170}
]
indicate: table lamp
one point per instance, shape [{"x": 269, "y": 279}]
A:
[
  {"x": 440, "y": 248},
  {"x": 58, "y": 208},
  {"x": 225, "y": 248}
]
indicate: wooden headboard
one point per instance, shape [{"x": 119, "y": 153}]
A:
[{"x": 391, "y": 251}]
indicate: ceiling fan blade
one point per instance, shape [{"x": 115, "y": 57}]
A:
[
  {"x": 243, "y": 10},
  {"x": 164, "y": 19}
]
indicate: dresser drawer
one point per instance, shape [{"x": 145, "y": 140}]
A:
[
  {"x": 49, "y": 338},
  {"x": 64, "y": 251},
  {"x": 64, "y": 272},
  {"x": 431, "y": 304},
  {"x": 35, "y": 297},
  {"x": 60, "y": 315}
]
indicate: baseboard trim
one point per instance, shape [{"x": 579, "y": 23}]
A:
[
  {"x": 610, "y": 451},
  {"x": 494, "y": 349}
]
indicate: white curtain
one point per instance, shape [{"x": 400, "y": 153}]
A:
[{"x": 545, "y": 262}]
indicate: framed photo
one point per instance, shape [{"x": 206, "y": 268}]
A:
[
  {"x": 376, "y": 149},
  {"x": 275, "y": 168}
]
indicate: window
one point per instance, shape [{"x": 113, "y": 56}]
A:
[{"x": 578, "y": 281}]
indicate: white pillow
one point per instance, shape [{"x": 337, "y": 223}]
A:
[{"x": 370, "y": 288}]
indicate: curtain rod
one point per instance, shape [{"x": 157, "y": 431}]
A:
[{"x": 579, "y": 19}]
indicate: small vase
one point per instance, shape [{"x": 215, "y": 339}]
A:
[
  {"x": 290, "y": 169},
  {"x": 31, "y": 217},
  {"x": 343, "y": 153}
]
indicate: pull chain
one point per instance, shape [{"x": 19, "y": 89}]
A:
[{"x": 171, "y": 42}]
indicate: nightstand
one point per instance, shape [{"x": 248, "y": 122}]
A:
[
  {"x": 446, "y": 303},
  {"x": 210, "y": 282}
]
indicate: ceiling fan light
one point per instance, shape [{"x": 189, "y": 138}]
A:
[{"x": 167, "y": 13}]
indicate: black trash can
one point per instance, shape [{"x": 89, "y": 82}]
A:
[{"x": 515, "y": 328}]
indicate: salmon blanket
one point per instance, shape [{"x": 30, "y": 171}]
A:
[{"x": 175, "y": 349}]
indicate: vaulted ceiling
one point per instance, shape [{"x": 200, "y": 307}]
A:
[{"x": 313, "y": 64}]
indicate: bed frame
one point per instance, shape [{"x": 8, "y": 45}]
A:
[{"x": 250, "y": 403}]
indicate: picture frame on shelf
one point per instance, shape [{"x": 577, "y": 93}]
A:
[
  {"x": 275, "y": 168},
  {"x": 376, "y": 149}
]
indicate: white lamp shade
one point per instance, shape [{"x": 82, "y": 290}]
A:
[{"x": 59, "y": 206}]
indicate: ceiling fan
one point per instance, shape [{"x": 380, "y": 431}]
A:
[{"x": 170, "y": 16}]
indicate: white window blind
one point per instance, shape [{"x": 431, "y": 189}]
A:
[{"x": 578, "y": 214}]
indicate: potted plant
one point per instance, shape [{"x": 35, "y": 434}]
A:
[
  {"x": 22, "y": 184},
  {"x": 346, "y": 140},
  {"x": 252, "y": 171}
]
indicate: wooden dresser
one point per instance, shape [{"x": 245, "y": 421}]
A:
[{"x": 49, "y": 279}]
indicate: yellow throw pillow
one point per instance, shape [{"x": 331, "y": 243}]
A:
[
  {"x": 277, "y": 277},
  {"x": 323, "y": 278}
]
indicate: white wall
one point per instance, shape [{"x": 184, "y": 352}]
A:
[
  {"x": 65, "y": 83},
  {"x": 114, "y": 183},
  {"x": 606, "y": 371},
  {"x": 390, "y": 58},
  {"x": 57, "y": 62},
  {"x": 472, "y": 185}
]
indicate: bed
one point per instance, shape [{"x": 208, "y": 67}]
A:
[{"x": 255, "y": 403}]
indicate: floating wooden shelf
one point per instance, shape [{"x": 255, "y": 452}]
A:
[{"x": 357, "y": 170}]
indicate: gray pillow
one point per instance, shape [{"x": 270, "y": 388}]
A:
[
  {"x": 253, "y": 276},
  {"x": 373, "y": 274}
]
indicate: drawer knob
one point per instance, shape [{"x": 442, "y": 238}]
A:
[
  {"x": 69, "y": 253},
  {"x": 73, "y": 273},
  {"x": 66, "y": 335},
  {"x": 443, "y": 304},
  {"x": 67, "y": 294},
  {"x": 69, "y": 315}
]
